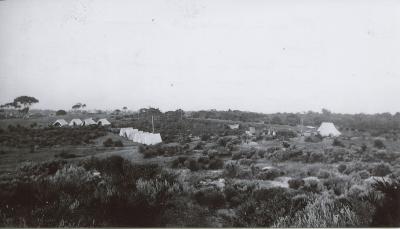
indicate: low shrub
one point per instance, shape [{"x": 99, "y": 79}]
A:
[
  {"x": 379, "y": 144},
  {"x": 364, "y": 174},
  {"x": 66, "y": 155},
  {"x": 322, "y": 212},
  {"x": 313, "y": 139},
  {"x": 216, "y": 163},
  {"x": 312, "y": 185},
  {"x": 108, "y": 143},
  {"x": 337, "y": 142},
  {"x": 341, "y": 168},
  {"x": 231, "y": 170},
  {"x": 381, "y": 170},
  {"x": 338, "y": 185},
  {"x": 265, "y": 207},
  {"x": 118, "y": 143},
  {"x": 269, "y": 174},
  {"x": 324, "y": 174},
  {"x": 210, "y": 198},
  {"x": 296, "y": 183},
  {"x": 387, "y": 210}
]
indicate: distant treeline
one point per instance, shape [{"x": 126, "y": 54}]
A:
[
  {"x": 376, "y": 124},
  {"x": 383, "y": 122}
]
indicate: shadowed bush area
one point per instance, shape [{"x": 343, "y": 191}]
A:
[
  {"x": 97, "y": 192},
  {"x": 19, "y": 136}
]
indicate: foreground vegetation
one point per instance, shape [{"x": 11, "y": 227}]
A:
[
  {"x": 203, "y": 174},
  {"x": 116, "y": 192}
]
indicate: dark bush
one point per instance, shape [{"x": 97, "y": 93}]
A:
[
  {"x": 205, "y": 137},
  {"x": 269, "y": 174},
  {"x": 108, "y": 143},
  {"x": 216, "y": 163},
  {"x": 341, "y": 168},
  {"x": 192, "y": 164},
  {"x": 66, "y": 155},
  {"x": 118, "y": 143},
  {"x": 388, "y": 209},
  {"x": 296, "y": 183},
  {"x": 61, "y": 112},
  {"x": 379, "y": 144},
  {"x": 210, "y": 198},
  {"x": 381, "y": 170},
  {"x": 337, "y": 142}
]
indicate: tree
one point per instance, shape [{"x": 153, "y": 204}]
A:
[
  {"x": 23, "y": 103},
  {"x": 326, "y": 111},
  {"x": 150, "y": 111},
  {"x": 276, "y": 120},
  {"x": 77, "y": 106},
  {"x": 125, "y": 108},
  {"x": 293, "y": 119},
  {"x": 61, "y": 112}
]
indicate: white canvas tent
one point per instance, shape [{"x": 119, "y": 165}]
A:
[
  {"x": 88, "y": 122},
  {"x": 139, "y": 136},
  {"x": 234, "y": 126},
  {"x": 76, "y": 122},
  {"x": 327, "y": 129},
  {"x": 103, "y": 122},
  {"x": 60, "y": 122},
  {"x": 124, "y": 132}
]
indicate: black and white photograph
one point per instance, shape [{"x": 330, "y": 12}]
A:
[{"x": 200, "y": 113}]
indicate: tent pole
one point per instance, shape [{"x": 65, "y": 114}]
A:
[{"x": 152, "y": 122}]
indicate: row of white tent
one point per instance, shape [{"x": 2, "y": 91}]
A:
[
  {"x": 141, "y": 137},
  {"x": 78, "y": 122}
]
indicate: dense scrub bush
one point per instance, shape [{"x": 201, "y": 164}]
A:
[
  {"x": 149, "y": 151},
  {"x": 61, "y": 112},
  {"x": 195, "y": 164},
  {"x": 66, "y": 155},
  {"x": 286, "y": 134},
  {"x": 296, "y": 183},
  {"x": 237, "y": 155},
  {"x": 210, "y": 198},
  {"x": 312, "y": 185},
  {"x": 286, "y": 155},
  {"x": 338, "y": 185},
  {"x": 364, "y": 174},
  {"x": 231, "y": 170},
  {"x": 166, "y": 150},
  {"x": 269, "y": 174},
  {"x": 387, "y": 210},
  {"x": 324, "y": 174},
  {"x": 322, "y": 212},
  {"x": 337, "y": 142},
  {"x": 18, "y": 136},
  {"x": 379, "y": 144},
  {"x": 314, "y": 157},
  {"x": 314, "y": 139},
  {"x": 108, "y": 143},
  {"x": 285, "y": 144},
  {"x": 246, "y": 162},
  {"x": 341, "y": 168},
  {"x": 266, "y": 206},
  {"x": 216, "y": 163},
  {"x": 381, "y": 170},
  {"x": 72, "y": 195}
]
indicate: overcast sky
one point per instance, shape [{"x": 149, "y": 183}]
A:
[{"x": 265, "y": 56}]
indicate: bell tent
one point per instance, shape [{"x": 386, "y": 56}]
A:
[
  {"x": 60, "y": 122},
  {"x": 76, "y": 122},
  {"x": 88, "y": 122},
  {"x": 327, "y": 129},
  {"x": 103, "y": 122}
]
